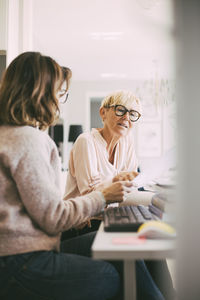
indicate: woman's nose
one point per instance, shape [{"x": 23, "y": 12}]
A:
[{"x": 126, "y": 116}]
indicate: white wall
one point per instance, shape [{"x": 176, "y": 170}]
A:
[
  {"x": 3, "y": 24},
  {"x": 76, "y": 111},
  {"x": 30, "y": 28},
  {"x": 18, "y": 27}
]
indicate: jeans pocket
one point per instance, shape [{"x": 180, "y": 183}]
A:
[{"x": 15, "y": 290}]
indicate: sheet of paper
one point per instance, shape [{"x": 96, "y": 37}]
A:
[
  {"x": 137, "y": 198},
  {"x": 151, "y": 172}
]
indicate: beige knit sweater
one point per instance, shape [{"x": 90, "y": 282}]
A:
[{"x": 32, "y": 212}]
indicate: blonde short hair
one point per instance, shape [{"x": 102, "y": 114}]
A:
[{"x": 122, "y": 97}]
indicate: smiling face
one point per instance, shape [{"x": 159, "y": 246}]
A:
[
  {"x": 116, "y": 125},
  {"x": 112, "y": 108}
]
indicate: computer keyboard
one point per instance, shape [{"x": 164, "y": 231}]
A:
[{"x": 126, "y": 218}]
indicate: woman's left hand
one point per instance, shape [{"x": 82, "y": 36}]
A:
[
  {"x": 84, "y": 224},
  {"x": 88, "y": 222},
  {"x": 125, "y": 176}
]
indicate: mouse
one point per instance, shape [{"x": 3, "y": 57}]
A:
[{"x": 156, "y": 230}]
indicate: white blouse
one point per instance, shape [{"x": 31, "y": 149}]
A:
[{"x": 89, "y": 166}]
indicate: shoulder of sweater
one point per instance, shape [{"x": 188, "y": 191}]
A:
[
  {"x": 30, "y": 133},
  {"x": 27, "y": 136},
  {"x": 22, "y": 144}
]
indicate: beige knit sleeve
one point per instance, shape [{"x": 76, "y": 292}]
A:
[{"x": 37, "y": 178}]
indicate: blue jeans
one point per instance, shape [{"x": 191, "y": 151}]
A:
[{"x": 71, "y": 274}]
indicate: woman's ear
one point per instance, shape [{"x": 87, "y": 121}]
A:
[{"x": 102, "y": 113}]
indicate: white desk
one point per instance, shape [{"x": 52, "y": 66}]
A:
[{"x": 104, "y": 248}]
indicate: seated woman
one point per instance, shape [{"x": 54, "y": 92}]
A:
[
  {"x": 107, "y": 155},
  {"x": 33, "y": 263},
  {"x": 104, "y": 155}
]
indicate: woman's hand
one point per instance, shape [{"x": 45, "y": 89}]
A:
[
  {"x": 88, "y": 222},
  {"x": 125, "y": 176},
  {"x": 84, "y": 224},
  {"x": 117, "y": 191}
]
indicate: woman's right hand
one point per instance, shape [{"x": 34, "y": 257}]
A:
[{"x": 117, "y": 191}]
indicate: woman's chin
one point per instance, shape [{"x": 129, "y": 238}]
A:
[{"x": 122, "y": 131}]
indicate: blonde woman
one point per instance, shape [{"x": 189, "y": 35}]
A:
[{"x": 106, "y": 155}]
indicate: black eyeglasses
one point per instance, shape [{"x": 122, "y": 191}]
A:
[
  {"x": 63, "y": 96},
  {"x": 121, "y": 110}
]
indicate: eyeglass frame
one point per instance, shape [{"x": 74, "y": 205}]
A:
[
  {"x": 126, "y": 110},
  {"x": 66, "y": 97}
]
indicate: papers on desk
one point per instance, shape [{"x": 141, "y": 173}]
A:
[
  {"x": 156, "y": 179},
  {"x": 166, "y": 182},
  {"x": 149, "y": 178},
  {"x": 161, "y": 172},
  {"x": 137, "y": 198}
]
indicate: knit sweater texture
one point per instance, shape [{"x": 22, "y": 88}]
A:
[{"x": 32, "y": 211}]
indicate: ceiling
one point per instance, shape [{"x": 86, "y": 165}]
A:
[{"x": 107, "y": 39}]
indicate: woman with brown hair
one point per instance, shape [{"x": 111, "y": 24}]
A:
[{"x": 33, "y": 262}]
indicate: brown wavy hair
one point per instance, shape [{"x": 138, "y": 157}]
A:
[{"x": 28, "y": 90}]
